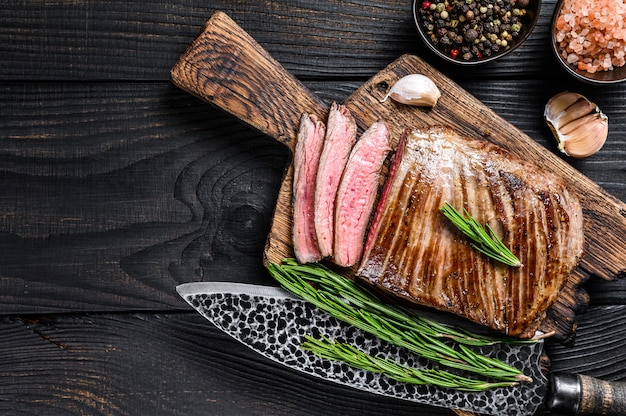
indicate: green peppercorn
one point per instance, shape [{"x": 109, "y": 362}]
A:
[
  {"x": 483, "y": 9},
  {"x": 516, "y": 27}
]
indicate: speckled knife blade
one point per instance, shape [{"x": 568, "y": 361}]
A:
[{"x": 273, "y": 322}]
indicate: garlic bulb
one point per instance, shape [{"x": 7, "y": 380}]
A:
[
  {"x": 414, "y": 89},
  {"x": 578, "y": 124}
]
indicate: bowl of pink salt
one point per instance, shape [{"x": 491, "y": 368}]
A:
[{"x": 589, "y": 39}]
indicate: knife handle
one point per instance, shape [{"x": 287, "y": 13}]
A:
[
  {"x": 583, "y": 395},
  {"x": 227, "y": 68}
]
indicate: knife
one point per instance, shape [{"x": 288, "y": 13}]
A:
[{"x": 273, "y": 322}]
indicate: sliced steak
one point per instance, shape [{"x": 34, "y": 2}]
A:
[
  {"x": 307, "y": 154},
  {"x": 415, "y": 252},
  {"x": 340, "y": 137},
  {"x": 357, "y": 193}
]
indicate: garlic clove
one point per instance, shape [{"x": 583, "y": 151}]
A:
[
  {"x": 577, "y": 110},
  {"x": 578, "y": 124},
  {"x": 559, "y": 103},
  {"x": 414, "y": 89},
  {"x": 588, "y": 138}
]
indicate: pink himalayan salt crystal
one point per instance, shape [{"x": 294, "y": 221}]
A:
[{"x": 591, "y": 34}]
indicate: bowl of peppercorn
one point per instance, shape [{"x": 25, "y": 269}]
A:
[{"x": 470, "y": 32}]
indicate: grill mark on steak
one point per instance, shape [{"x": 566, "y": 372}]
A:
[
  {"x": 307, "y": 154},
  {"x": 340, "y": 138},
  {"x": 413, "y": 251},
  {"x": 357, "y": 193}
]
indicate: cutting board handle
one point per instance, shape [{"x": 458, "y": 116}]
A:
[
  {"x": 584, "y": 395},
  {"x": 227, "y": 68}
]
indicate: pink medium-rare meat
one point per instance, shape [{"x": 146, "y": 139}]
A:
[
  {"x": 307, "y": 152},
  {"x": 415, "y": 252},
  {"x": 340, "y": 138},
  {"x": 357, "y": 193}
]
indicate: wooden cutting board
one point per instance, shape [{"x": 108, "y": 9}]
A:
[{"x": 227, "y": 68}]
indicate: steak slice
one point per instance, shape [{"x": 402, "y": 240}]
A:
[
  {"x": 413, "y": 251},
  {"x": 357, "y": 193},
  {"x": 340, "y": 137},
  {"x": 306, "y": 161}
]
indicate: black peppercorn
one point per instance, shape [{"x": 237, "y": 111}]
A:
[
  {"x": 470, "y": 35},
  {"x": 469, "y": 29}
]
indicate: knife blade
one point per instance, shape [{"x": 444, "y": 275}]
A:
[{"x": 273, "y": 322}]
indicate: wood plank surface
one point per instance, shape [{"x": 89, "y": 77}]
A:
[
  {"x": 177, "y": 364},
  {"x": 173, "y": 160},
  {"x": 226, "y": 67},
  {"x": 116, "y": 186},
  {"x": 63, "y": 40}
]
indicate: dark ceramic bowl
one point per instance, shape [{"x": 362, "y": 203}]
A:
[
  {"x": 529, "y": 20},
  {"x": 603, "y": 77}
]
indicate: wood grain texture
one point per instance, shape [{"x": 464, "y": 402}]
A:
[
  {"x": 602, "y": 397},
  {"x": 193, "y": 191},
  {"x": 116, "y": 186},
  {"x": 178, "y": 364},
  {"x": 66, "y": 40},
  {"x": 159, "y": 365},
  {"x": 115, "y": 194},
  {"x": 228, "y": 68}
]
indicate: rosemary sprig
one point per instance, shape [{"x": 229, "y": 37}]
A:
[
  {"x": 360, "y": 307},
  {"x": 484, "y": 240},
  {"x": 346, "y": 353}
]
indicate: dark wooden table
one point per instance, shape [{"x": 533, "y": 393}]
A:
[{"x": 115, "y": 186}]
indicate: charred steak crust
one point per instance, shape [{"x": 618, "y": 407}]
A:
[{"x": 415, "y": 252}]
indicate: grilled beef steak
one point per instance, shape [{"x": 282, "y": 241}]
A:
[
  {"x": 357, "y": 193},
  {"x": 413, "y": 251},
  {"x": 306, "y": 161},
  {"x": 340, "y": 137}
]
